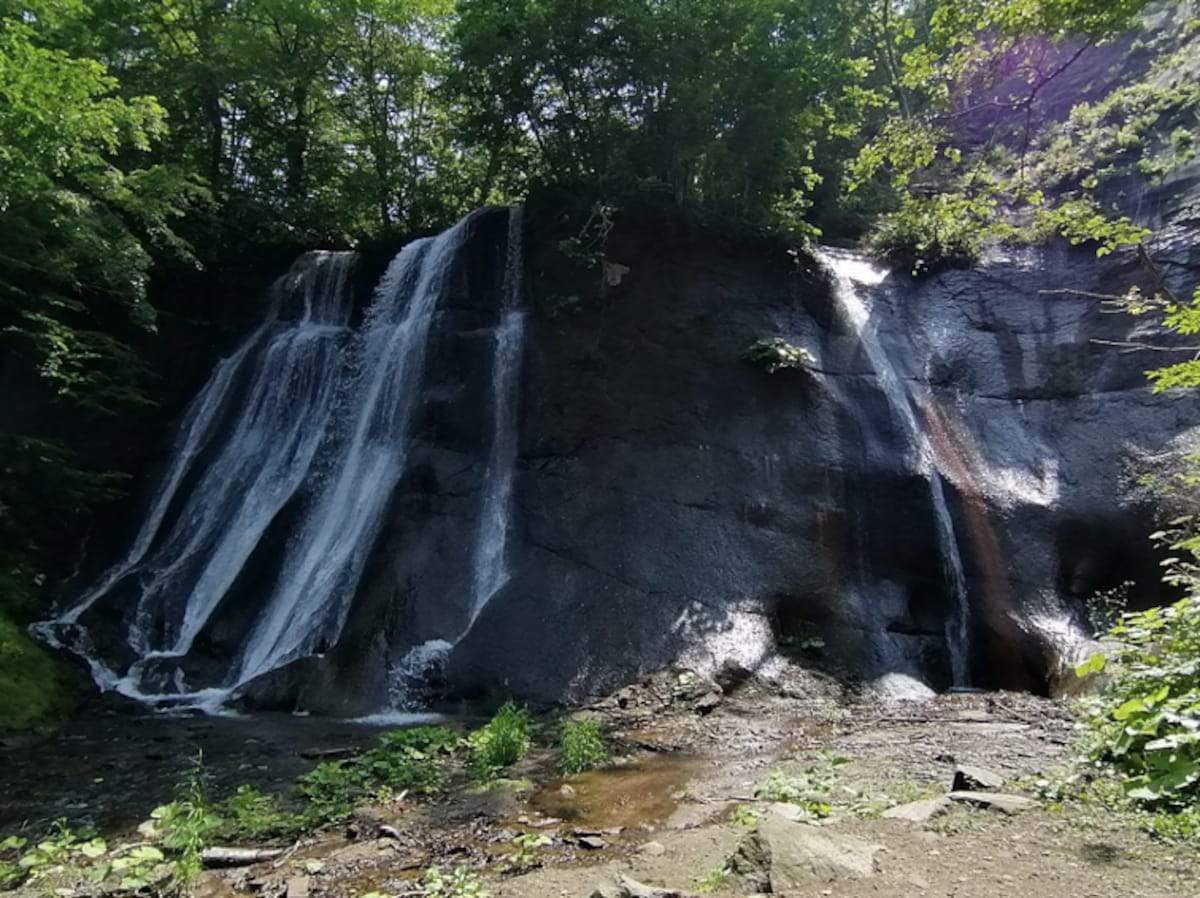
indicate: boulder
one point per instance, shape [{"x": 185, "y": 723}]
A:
[{"x": 781, "y": 855}]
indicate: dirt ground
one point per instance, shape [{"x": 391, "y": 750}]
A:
[{"x": 668, "y": 813}]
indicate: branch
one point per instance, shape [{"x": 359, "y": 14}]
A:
[
  {"x": 1134, "y": 346},
  {"x": 1156, "y": 275}
]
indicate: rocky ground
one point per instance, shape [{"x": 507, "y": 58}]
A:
[{"x": 696, "y": 804}]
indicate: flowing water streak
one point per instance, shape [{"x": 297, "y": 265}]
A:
[
  {"x": 269, "y": 439},
  {"x": 269, "y": 400},
  {"x": 491, "y": 563},
  {"x": 195, "y": 429},
  {"x": 324, "y": 563},
  {"x": 851, "y": 274}
]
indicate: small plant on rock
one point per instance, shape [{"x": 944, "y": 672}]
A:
[
  {"x": 458, "y": 883},
  {"x": 775, "y": 354},
  {"x": 527, "y": 855},
  {"x": 744, "y": 815},
  {"x": 714, "y": 880},
  {"x": 811, "y": 789},
  {"x": 583, "y": 746}
]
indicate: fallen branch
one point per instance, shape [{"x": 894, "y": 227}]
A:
[{"x": 239, "y": 857}]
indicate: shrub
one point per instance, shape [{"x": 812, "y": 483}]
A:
[
  {"x": 582, "y": 747},
  {"x": 412, "y": 759},
  {"x": 502, "y": 742},
  {"x": 458, "y": 883},
  {"x": 776, "y": 354},
  {"x": 1144, "y": 726},
  {"x": 928, "y": 232}
]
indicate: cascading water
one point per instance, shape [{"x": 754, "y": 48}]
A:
[
  {"x": 491, "y": 564},
  {"x": 852, "y": 278},
  {"x": 324, "y": 563},
  {"x": 306, "y": 417},
  {"x": 244, "y": 448}
]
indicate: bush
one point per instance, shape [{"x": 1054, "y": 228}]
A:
[
  {"x": 1144, "y": 726},
  {"x": 930, "y": 232},
  {"x": 582, "y": 747},
  {"x": 412, "y": 759},
  {"x": 503, "y": 742}
]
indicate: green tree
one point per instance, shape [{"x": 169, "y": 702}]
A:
[{"x": 720, "y": 103}]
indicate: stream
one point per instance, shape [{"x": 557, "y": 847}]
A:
[{"x": 112, "y": 763}]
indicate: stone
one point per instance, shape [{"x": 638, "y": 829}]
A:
[
  {"x": 918, "y": 811},
  {"x": 789, "y": 811},
  {"x": 653, "y": 849},
  {"x": 593, "y": 843},
  {"x": 780, "y": 855},
  {"x": 298, "y": 887},
  {"x": 968, "y": 778},
  {"x": 624, "y": 886},
  {"x": 995, "y": 801},
  {"x": 567, "y": 791},
  {"x": 708, "y": 703}
]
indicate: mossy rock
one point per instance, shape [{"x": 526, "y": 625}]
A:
[{"x": 35, "y": 687}]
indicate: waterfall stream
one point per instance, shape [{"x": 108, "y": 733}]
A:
[
  {"x": 853, "y": 277},
  {"x": 309, "y": 416},
  {"x": 491, "y": 564}
]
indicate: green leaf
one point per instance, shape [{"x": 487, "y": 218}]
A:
[
  {"x": 1127, "y": 708},
  {"x": 93, "y": 848}
]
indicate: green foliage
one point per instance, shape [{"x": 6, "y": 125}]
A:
[
  {"x": 186, "y": 824},
  {"x": 1145, "y": 725},
  {"x": 714, "y": 880},
  {"x": 75, "y": 856},
  {"x": 720, "y": 103},
  {"x": 776, "y": 354},
  {"x": 501, "y": 743},
  {"x": 926, "y": 232},
  {"x": 744, "y": 815},
  {"x": 34, "y": 686},
  {"x": 526, "y": 857},
  {"x": 811, "y": 789},
  {"x": 582, "y": 747},
  {"x": 972, "y": 156},
  {"x": 405, "y": 760},
  {"x": 458, "y": 883},
  {"x": 250, "y": 816}
]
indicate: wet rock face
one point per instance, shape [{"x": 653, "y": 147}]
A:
[
  {"x": 671, "y": 495},
  {"x": 928, "y": 498}
]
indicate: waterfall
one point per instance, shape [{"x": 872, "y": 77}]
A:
[
  {"x": 852, "y": 276},
  {"x": 323, "y": 564},
  {"x": 489, "y": 570},
  {"x": 491, "y": 564},
  {"x": 280, "y": 480},
  {"x": 244, "y": 447}
]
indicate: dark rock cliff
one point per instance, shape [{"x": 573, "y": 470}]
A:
[
  {"x": 673, "y": 498},
  {"x": 933, "y": 497}
]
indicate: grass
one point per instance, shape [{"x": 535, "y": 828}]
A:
[
  {"x": 34, "y": 685},
  {"x": 501, "y": 743},
  {"x": 583, "y": 747}
]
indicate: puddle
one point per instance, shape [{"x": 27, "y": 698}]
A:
[{"x": 644, "y": 791}]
